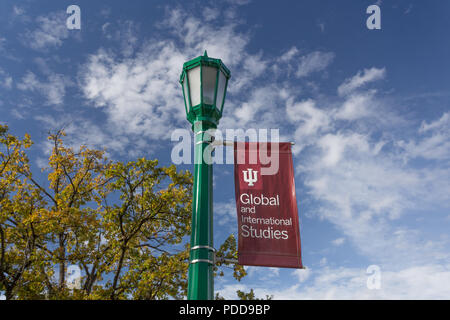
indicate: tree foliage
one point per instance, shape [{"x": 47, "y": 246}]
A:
[{"x": 124, "y": 226}]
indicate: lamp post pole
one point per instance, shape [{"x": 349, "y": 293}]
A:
[
  {"x": 200, "y": 277},
  {"x": 204, "y": 81}
]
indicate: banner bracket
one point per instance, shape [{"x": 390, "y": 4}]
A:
[{"x": 227, "y": 261}]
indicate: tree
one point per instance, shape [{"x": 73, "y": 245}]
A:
[
  {"x": 144, "y": 229},
  {"x": 124, "y": 225},
  {"x": 20, "y": 234},
  {"x": 250, "y": 295}
]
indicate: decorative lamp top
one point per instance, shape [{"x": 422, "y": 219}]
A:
[{"x": 204, "y": 60}]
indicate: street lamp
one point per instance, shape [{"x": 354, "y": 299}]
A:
[{"x": 204, "y": 81}]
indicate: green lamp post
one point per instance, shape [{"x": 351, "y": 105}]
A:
[{"x": 204, "y": 81}]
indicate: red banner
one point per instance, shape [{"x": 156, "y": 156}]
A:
[{"x": 266, "y": 205}]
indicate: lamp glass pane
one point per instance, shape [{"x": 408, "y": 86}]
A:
[
  {"x": 209, "y": 75},
  {"x": 194, "y": 85},
  {"x": 220, "y": 90},
  {"x": 186, "y": 94}
]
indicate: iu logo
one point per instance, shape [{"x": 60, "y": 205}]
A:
[{"x": 250, "y": 176}]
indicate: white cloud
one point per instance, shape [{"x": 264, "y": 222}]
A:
[
  {"x": 6, "y": 80},
  {"x": 334, "y": 145},
  {"x": 363, "y": 191},
  {"x": 308, "y": 118},
  {"x": 18, "y": 10},
  {"x": 123, "y": 32},
  {"x": 81, "y": 131},
  {"x": 228, "y": 291},
  {"x": 239, "y": 2},
  {"x": 427, "y": 281},
  {"x": 361, "y": 179},
  {"x": 53, "y": 89},
  {"x": 50, "y": 32},
  {"x": 253, "y": 109},
  {"x": 210, "y": 14},
  {"x": 436, "y": 146},
  {"x": 2, "y": 43},
  {"x": 289, "y": 55},
  {"x": 19, "y": 14},
  {"x": 356, "y": 106},
  {"x": 314, "y": 62},
  {"x": 433, "y": 142},
  {"x": 360, "y": 79},
  {"x": 226, "y": 212},
  {"x": 141, "y": 95},
  {"x": 302, "y": 274},
  {"x": 358, "y": 174},
  {"x": 301, "y": 110},
  {"x": 442, "y": 123},
  {"x": 338, "y": 242},
  {"x": 417, "y": 282},
  {"x": 321, "y": 25}
]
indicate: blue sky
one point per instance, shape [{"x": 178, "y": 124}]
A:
[{"x": 368, "y": 111}]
